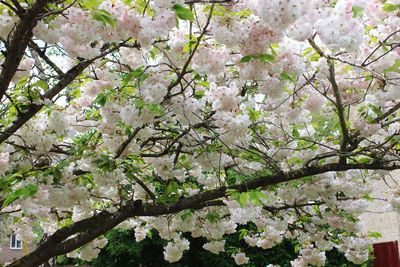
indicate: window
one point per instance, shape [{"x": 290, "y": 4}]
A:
[{"x": 15, "y": 243}]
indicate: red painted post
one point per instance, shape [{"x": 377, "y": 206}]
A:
[{"x": 386, "y": 254}]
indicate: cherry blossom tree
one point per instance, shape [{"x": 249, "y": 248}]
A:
[{"x": 196, "y": 116}]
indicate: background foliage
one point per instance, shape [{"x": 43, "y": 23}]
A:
[{"x": 123, "y": 251}]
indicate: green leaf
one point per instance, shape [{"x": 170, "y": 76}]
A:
[
  {"x": 217, "y": 11},
  {"x": 172, "y": 188},
  {"x": 394, "y": 68},
  {"x": 295, "y": 132},
  {"x": 213, "y": 217},
  {"x": 261, "y": 195},
  {"x": 42, "y": 84},
  {"x": 182, "y": 12},
  {"x": 255, "y": 198},
  {"x": 231, "y": 192},
  {"x": 22, "y": 81},
  {"x": 308, "y": 50},
  {"x": 150, "y": 234},
  {"x": 204, "y": 84},
  {"x": 246, "y": 59},
  {"x": 266, "y": 58},
  {"x": 388, "y": 7},
  {"x": 156, "y": 109},
  {"x": 365, "y": 160},
  {"x": 189, "y": 45},
  {"x": 76, "y": 93},
  {"x": 127, "y": 78},
  {"x": 138, "y": 74},
  {"x": 199, "y": 94},
  {"x": 357, "y": 11},
  {"x": 368, "y": 197},
  {"x": 6, "y": 182},
  {"x": 92, "y": 4},
  {"x": 24, "y": 192},
  {"x": 171, "y": 194},
  {"x": 315, "y": 57},
  {"x": 374, "y": 234},
  {"x": 262, "y": 58},
  {"x": 254, "y": 114},
  {"x": 241, "y": 14},
  {"x": 141, "y": 5},
  {"x": 243, "y": 233},
  {"x": 287, "y": 77},
  {"x": 139, "y": 104},
  {"x": 101, "y": 99},
  {"x": 105, "y": 163},
  {"x": 104, "y": 17},
  {"x": 243, "y": 198},
  {"x": 273, "y": 47},
  {"x": 186, "y": 214}
]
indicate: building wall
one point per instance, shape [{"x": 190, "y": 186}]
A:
[
  {"x": 9, "y": 255},
  {"x": 381, "y": 217}
]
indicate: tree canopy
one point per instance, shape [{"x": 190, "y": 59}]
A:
[{"x": 196, "y": 117}]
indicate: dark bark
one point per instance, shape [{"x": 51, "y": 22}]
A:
[
  {"x": 84, "y": 231},
  {"x": 19, "y": 40},
  {"x": 387, "y": 113},
  {"x": 35, "y": 108},
  {"x": 48, "y": 61},
  {"x": 67, "y": 78}
]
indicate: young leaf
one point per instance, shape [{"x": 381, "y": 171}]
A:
[
  {"x": 246, "y": 59},
  {"x": 262, "y": 58},
  {"x": 24, "y": 192},
  {"x": 92, "y": 4},
  {"x": 182, "y": 12},
  {"x": 199, "y": 94},
  {"x": 388, "y": 7},
  {"x": 357, "y": 11},
  {"x": 374, "y": 234},
  {"x": 286, "y": 77},
  {"x": 104, "y": 17},
  {"x": 266, "y": 58}
]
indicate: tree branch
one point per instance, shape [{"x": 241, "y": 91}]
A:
[
  {"x": 89, "y": 229},
  {"x": 51, "y": 93},
  {"x": 387, "y": 113},
  {"x": 20, "y": 38},
  {"x": 189, "y": 59},
  {"x": 339, "y": 104},
  {"x": 126, "y": 143},
  {"x": 43, "y": 55}
]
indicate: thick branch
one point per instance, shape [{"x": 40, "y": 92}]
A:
[
  {"x": 50, "y": 94},
  {"x": 19, "y": 40},
  {"x": 89, "y": 229},
  {"x": 35, "y": 108}
]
